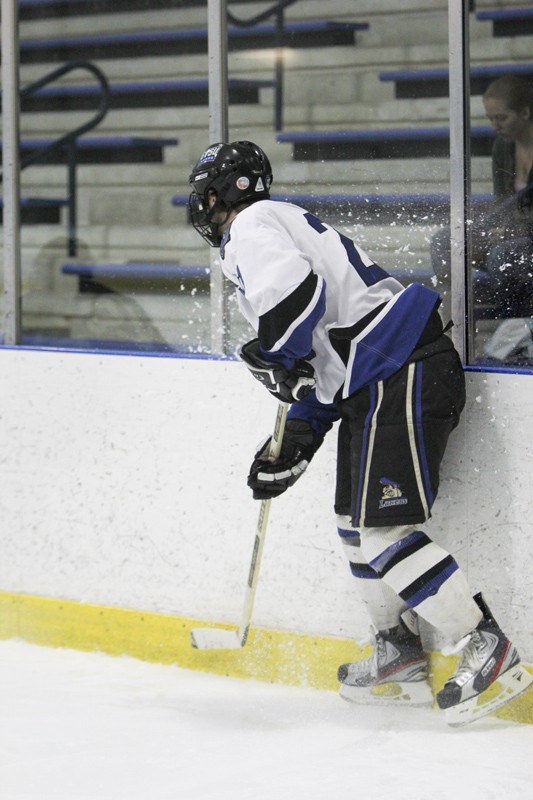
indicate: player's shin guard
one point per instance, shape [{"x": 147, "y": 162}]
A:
[
  {"x": 396, "y": 671},
  {"x": 424, "y": 575},
  {"x": 382, "y": 603}
]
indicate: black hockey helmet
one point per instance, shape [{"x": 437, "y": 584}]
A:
[{"x": 238, "y": 172}]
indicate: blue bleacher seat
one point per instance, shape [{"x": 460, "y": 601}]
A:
[
  {"x": 38, "y": 210},
  {"x": 435, "y": 82},
  {"x": 104, "y": 149},
  {"x": 185, "y": 40},
  {"x": 149, "y": 275},
  {"x": 154, "y": 277},
  {"x": 38, "y": 9},
  {"x": 383, "y": 143},
  {"x": 508, "y": 21},
  {"x": 143, "y": 94},
  {"x": 151, "y": 271},
  {"x": 379, "y": 209}
]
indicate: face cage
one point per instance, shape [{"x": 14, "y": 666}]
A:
[{"x": 201, "y": 220}]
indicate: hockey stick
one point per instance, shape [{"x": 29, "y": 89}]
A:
[{"x": 220, "y": 639}]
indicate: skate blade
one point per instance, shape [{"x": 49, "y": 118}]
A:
[
  {"x": 399, "y": 693},
  {"x": 505, "y": 688}
]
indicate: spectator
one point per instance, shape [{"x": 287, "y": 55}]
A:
[{"x": 502, "y": 238}]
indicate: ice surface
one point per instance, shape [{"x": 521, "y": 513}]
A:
[{"x": 86, "y": 726}]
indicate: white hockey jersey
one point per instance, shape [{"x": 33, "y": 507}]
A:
[{"x": 309, "y": 292}]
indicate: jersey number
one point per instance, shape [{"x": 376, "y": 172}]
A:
[{"x": 369, "y": 272}]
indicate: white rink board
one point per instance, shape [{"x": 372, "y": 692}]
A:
[{"x": 124, "y": 483}]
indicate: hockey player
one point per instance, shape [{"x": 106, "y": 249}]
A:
[{"x": 342, "y": 340}]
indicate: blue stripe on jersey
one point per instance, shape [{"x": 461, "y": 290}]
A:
[
  {"x": 369, "y": 273},
  {"x": 286, "y": 331},
  {"x": 421, "y": 444},
  {"x": 388, "y": 345},
  {"x": 299, "y": 343}
]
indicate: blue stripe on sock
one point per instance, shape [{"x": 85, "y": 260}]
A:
[
  {"x": 392, "y": 552},
  {"x": 349, "y": 536},
  {"x": 363, "y": 571},
  {"x": 429, "y": 583}
]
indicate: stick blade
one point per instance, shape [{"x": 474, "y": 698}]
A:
[{"x": 216, "y": 639}]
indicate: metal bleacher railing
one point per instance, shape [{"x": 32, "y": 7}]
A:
[{"x": 68, "y": 141}]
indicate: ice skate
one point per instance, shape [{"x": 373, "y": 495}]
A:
[
  {"x": 395, "y": 674},
  {"x": 488, "y": 676}
]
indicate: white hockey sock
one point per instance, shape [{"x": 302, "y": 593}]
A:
[
  {"x": 382, "y": 603},
  {"x": 424, "y": 575}
]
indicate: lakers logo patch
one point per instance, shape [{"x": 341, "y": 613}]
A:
[{"x": 391, "y": 494}]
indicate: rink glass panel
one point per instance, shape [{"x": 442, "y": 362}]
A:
[{"x": 126, "y": 217}]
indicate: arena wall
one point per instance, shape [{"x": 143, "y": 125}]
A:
[{"x": 123, "y": 484}]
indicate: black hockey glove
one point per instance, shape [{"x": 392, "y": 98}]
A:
[
  {"x": 286, "y": 386},
  {"x": 271, "y": 478}
]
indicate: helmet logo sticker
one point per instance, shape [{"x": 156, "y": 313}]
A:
[
  {"x": 210, "y": 154},
  {"x": 259, "y": 186},
  {"x": 242, "y": 183}
]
